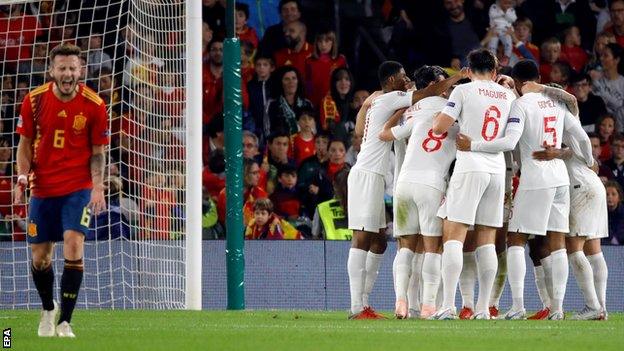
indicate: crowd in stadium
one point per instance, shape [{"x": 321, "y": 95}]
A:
[{"x": 306, "y": 71}]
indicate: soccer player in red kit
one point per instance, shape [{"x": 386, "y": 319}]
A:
[{"x": 63, "y": 131}]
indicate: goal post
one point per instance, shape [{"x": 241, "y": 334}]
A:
[{"x": 144, "y": 59}]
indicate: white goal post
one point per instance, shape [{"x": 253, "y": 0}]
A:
[{"x": 144, "y": 58}]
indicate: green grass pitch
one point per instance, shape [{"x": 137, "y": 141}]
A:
[{"x": 304, "y": 330}]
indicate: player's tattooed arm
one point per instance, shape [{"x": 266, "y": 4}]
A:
[
  {"x": 97, "y": 203},
  {"x": 554, "y": 93},
  {"x": 386, "y": 133},
  {"x": 360, "y": 120},
  {"x": 439, "y": 87}
]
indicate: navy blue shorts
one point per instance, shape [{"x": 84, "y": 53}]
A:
[{"x": 50, "y": 217}]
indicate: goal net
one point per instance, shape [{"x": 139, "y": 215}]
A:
[{"x": 134, "y": 58}]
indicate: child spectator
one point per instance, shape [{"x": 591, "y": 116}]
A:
[
  {"x": 610, "y": 87},
  {"x": 593, "y": 66},
  {"x": 285, "y": 197},
  {"x": 523, "y": 28},
  {"x": 502, "y": 16},
  {"x": 259, "y": 89},
  {"x": 354, "y": 149},
  {"x": 616, "y": 214},
  {"x": 303, "y": 142},
  {"x": 571, "y": 51},
  {"x": 265, "y": 224},
  {"x": 616, "y": 163},
  {"x": 247, "y": 67},
  {"x": 590, "y": 106},
  {"x": 325, "y": 59},
  {"x": 604, "y": 172},
  {"x": 336, "y": 162},
  {"x": 243, "y": 31},
  {"x": 551, "y": 52},
  {"x": 606, "y": 130},
  {"x": 276, "y": 157}
]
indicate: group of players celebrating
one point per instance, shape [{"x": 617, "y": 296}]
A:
[{"x": 455, "y": 230}]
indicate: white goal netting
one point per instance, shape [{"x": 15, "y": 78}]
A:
[{"x": 134, "y": 57}]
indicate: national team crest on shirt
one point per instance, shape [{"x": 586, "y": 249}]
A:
[{"x": 80, "y": 122}]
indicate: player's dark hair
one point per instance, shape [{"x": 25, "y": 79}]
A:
[
  {"x": 482, "y": 61},
  {"x": 242, "y": 7},
  {"x": 386, "y": 70},
  {"x": 424, "y": 75},
  {"x": 64, "y": 50},
  {"x": 525, "y": 70},
  {"x": 263, "y": 204}
]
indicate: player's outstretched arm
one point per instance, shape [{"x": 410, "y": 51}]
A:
[
  {"x": 439, "y": 87},
  {"x": 556, "y": 94},
  {"x": 97, "y": 203},
  {"x": 24, "y": 161},
  {"x": 360, "y": 120},
  {"x": 386, "y": 134},
  {"x": 506, "y": 143}
]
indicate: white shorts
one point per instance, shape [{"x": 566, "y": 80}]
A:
[
  {"x": 415, "y": 207},
  {"x": 366, "y": 206},
  {"x": 588, "y": 211},
  {"x": 475, "y": 198},
  {"x": 540, "y": 211}
]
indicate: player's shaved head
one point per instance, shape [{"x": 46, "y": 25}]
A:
[
  {"x": 482, "y": 61},
  {"x": 524, "y": 71},
  {"x": 388, "y": 69}
]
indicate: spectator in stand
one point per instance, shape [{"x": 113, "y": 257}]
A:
[
  {"x": 454, "y": 36},
  {"x": 551, "y": 53},
  {"x": 243, "y": 31},
  {"x": 259, "y": 89},
  {"x": 616, "y": 9},
  {"x": 214, "y": 137},
  {"x": 311, "y": 166},
  {"x": 616, "y": 214},
  {"x": 285, "y": 196},
  {"x": 502, "y": 16},
  {"x": 303, "y": 142},
  {"x": 273, "y": 39},
  {"x": 330, "y": 218},
  {"x": 591, "y": 107},
  {"x": 594, "y": 69},
  {"x": 560, "y": 74},
  {"x": 616, "y": 163},
  {"x": 359, "y": 96},
  {"x": 265, "y": 223},
  {"x": 37, "y": 66},
  {"x": 212, "y": 81},
  {"x": 354, "y": 149},
  {"x": 277, "y": 156},
  {"x": 213, "y": 175},
  {"x": 521, "y": 35},
  {"x": 6, "y": 177},
  {"x": 604, "y": 172},
  {"x": 251, "y": 192},
  {"x": 297, "y": 49},
  {"x": 17, "y": 34},
  {"x": 606, "y": 131},
  {"x": 334, "y": 109},
  {"x": 213, "y": 13},
  {"x": 336, "y": 162},
  {"x": 571, "y": 50},
  {"x": 288, "y": 101},
  {"x": 319, "y": 67},
  {"x": 207, "y": 34},
  {"x": 247, "y": 67},
  {"x": 251, "y": 151},
  {"x": 96, "y": 57},
  {"x": 611, "y": 86}
]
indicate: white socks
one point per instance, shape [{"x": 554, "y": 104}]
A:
[
  {"x": 430, "y": 277},
  {"x": 452, "y": 262},
  {"x": 487, "y": 265},
  {"x": 516, "y": 271},
  {"x": 584, "y": 278},
  {"x": 402, "y": 266},
  {"x": 560, "y": 271},
  {"x": 548, "y": 283},
  {"x": 499, "y": 280},
  {"x": 468, "y": 279},
  {"x": 356, "y": 267},
  {"x": 599, "y": 268},
  {"x": 413, "y": 290},
  {"x": 373, "y": 261},
  {"x": 540, "y": 281}
]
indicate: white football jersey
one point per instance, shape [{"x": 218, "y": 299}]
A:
[
  {"x": 428, "y": 156},
  {"x": 542, "y": 122},
  {"x": 579, "y": 172},
  {"x": 374, "y": 151},
  {"x": 481, "y": 108}
]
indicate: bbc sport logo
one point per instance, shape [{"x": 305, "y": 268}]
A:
[{"x": 6, "y": 338}]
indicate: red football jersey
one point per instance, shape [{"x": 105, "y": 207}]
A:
[{"x": 63, "y": 134}]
